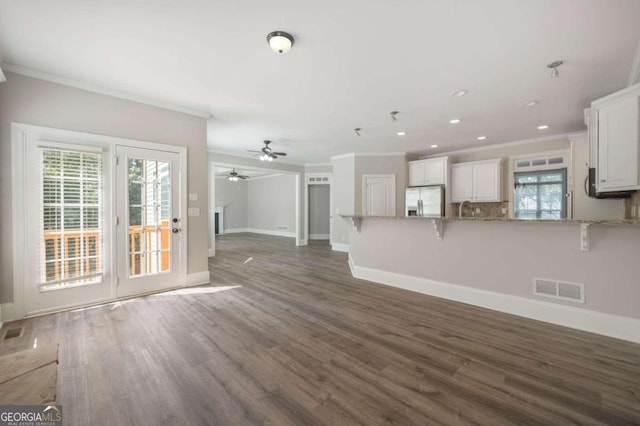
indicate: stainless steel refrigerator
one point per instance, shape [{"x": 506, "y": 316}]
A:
[{"x": 425, "y": 201}]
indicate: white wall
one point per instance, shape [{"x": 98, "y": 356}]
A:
[
  {"x": 234, "y": 197},
  {"x": 272, "y": 204},
  {"x": 319, "y": 210},
  {"x": 32, "y": 101},
  {"x": 318, "y": 168},
  {"x": 343, "y": 192}
]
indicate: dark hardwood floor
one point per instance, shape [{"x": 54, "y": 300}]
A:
[{"x": 284, "y": 335}]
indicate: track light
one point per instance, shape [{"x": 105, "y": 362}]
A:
[
  {"x": 393, "y": 115},
  {"x": 554, "y": 66},
  {"x": 357, "y": 130}
]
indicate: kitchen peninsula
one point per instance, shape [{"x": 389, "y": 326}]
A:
[{"x": 495, "y": 262}]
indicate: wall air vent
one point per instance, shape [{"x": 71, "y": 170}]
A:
[{"x": 559, "y": 290}]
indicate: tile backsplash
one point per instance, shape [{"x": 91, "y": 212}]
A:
[{"x": 486, "y": 209}]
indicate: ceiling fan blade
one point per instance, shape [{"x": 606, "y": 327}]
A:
[
  {"x": 284, "y": 154},
  {"x": 243, "y": 177},
  {"x": 251, "y": 150}
]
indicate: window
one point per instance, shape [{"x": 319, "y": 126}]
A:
[
  {"x": 71, "y": 251},
  {"x": 149, "y": 216},
  {"x": 540, "y": 194}
]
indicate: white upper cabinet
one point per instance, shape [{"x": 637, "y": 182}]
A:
[
  {"x": 461, "y": 182},
  {"x": 432, "y": 171},
  {"x": 615, "y": 129},
  {"x": 477, "y": 181}
]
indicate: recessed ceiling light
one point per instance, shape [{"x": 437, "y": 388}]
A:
[
  {"x": 401, "y": 133},
  {"x": 434, "y": 146},
  {"x": 543, "y": 127},
  {"x": 455, "y": 121},
  {"x": 481, "y": 138},
  {"x": 460, "y": 92},
  {"x": 530, "y": 103}
]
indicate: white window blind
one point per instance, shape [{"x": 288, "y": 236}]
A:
[{"x": 71, "y": 251}]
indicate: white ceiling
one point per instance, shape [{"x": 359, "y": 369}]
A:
[{"x": 352, "y": 63}]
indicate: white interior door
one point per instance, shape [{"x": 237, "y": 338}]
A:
[
  {"x": 149, "y": 224},
  {"x": 379, "y": 195}
]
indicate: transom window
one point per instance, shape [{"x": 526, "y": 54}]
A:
[{"x": 540, "y": 194}]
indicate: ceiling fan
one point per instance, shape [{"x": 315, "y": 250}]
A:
[
  {"x": 267, "y": 153},
  {"x": 234, "y": 176}
]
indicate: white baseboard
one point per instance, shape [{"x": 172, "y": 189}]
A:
[
  {"x": 198, "y": 278},
  {"x": 302, "y": 243},
  {"x": 235, "y": 230},
  {"x": 340, "y": 247},
  {"x": 568, "y": 316},
  {"x": 261, "y": 231},
  {"x": 270, "y": 232},
  {"x": 319, "y": 236},
  {"x": 212, "y": 252}
]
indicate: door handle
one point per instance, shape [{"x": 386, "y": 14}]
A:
[{"x": 175, "y": 230}]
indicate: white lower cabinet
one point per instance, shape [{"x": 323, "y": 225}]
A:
[{"x": 477, "y": 181}]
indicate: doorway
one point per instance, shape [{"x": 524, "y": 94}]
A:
[
  {"x": 318, "y": 206},
  {"x": 379, "y": 195},
  {"x": 319, "y": 212}
]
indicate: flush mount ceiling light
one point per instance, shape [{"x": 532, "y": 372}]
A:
[
  {"x": 393, "y": 115},
  {"x": 481, "y": 138},
  {"x": 357, "y": 130},
  {"x": 554, "y": 66},
  {"x": 530, "y": 103},
  {"x": 401, "y": 133},
  {"x": 280, "y": 41},
  {"x": 434, "y": 146},
  {"x": 460, "y": 92},
  {"x": 543, "y": 127},
  {"x": 455, "y": 121}
]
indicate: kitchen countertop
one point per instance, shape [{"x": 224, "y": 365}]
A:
[{"x": 501, "y": 219}]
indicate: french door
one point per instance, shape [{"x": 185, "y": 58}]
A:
[
  {"x": 67, "y": 250},
  {"x": 148, "y": 222},
  {"x": 94, "y": 220}
]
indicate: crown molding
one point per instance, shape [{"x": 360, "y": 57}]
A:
[
  {"x": 53, "y": 78},
  {"x": 634, "y": 74},
  {"x": 501, "y": 145}
]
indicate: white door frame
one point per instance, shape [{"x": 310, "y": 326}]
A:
[
  {"x": 393, "y": 192},
  {"x": 307, "y": 182},
  {"x": 20, "y": 135}
]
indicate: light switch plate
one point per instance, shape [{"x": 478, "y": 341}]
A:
[
  {"x": 193, "y": 196},
  {"x": 194, "y": 211}
]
